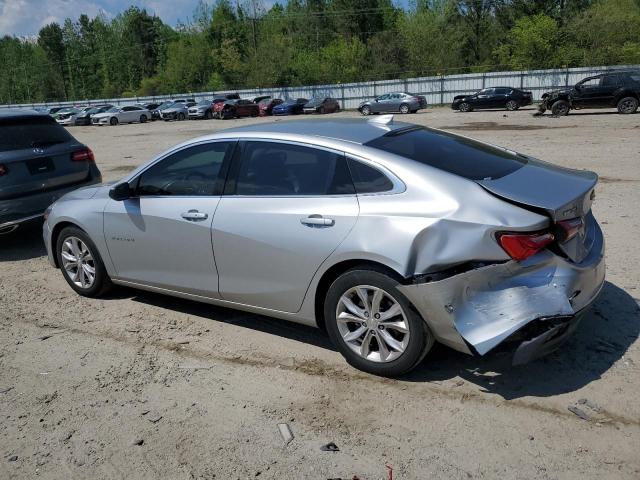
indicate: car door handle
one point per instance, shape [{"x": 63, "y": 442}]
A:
[
  {"x": 194, "y": 215},
  {"x": 317, "y": 221}
]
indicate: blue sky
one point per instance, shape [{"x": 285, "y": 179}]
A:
[{"x": 26, "y": 17}]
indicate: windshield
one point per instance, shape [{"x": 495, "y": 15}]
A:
[
  {"x": 451, "y": 153},
  {"x": 31, "y": 132}
]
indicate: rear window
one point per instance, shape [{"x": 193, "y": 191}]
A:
[
  {"x": 30, "y": 132},
  {"x": 451, "y": 153}
]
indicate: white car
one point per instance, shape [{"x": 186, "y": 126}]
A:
[
  {"x": 126, "y": 114},
  {"x": 67, "y": 116}
]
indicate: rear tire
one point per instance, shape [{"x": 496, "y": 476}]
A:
[
  {"x": 560, "y": 108},
  {"x": 74, "y": 243},
  {"x": 405, "y": 337},
  {"x": 208, "y": 115},
  {"x": 512, "y": 105},
  {"x": 627, "y": 105},
  {"x": 113, "y": 121}
]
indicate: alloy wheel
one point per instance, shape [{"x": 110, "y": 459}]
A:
[
  {"x": 372, "y": 323},
  {"x": 78, "y": 263},
  {"x": 628, "y": 105}
]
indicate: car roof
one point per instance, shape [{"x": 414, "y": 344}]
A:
[
  {"x": 19, "y": 112},
  {"x": 352, "y": 130}
]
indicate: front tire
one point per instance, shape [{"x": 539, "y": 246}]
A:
[
  {"x": 81, "y": 264},
  {"x": 560, "y": 108},
  {"x": 113, "y": 121},
  {"x": 627, "y": 105},
  {"x": 365, "y": 110},
  {"x": 404, "y": 109},
  {"x": 143, "y": 119},
  {"x": 512, "y": 105},
  {"x": 465, "y": 107},
  {"x": 181, "y": 116},
  {"x": 373, "y": 325}
]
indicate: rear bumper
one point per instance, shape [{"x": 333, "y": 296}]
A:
[
  {"x": 17, "y": 211},
  {"x": 477, "y": 310}
]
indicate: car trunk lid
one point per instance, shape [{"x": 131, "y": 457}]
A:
[
  {"x": 564, "y": 195},
  {"x": 40, "y": 169}
]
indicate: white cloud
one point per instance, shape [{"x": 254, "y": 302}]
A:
[{"x": 27, "y": 17}]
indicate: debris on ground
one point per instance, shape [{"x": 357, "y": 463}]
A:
[
  {"x": 13, "y": 458},
  {"x": 5, "y": 390},
  {"x": 138, "y": 441},
  {"x": 578, "y": 411},
  {"x": 588, "y": 403},
  {"x": 330, "y": 447},
  {"x": 285, "y": 431}
]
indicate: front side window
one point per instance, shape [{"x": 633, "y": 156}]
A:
[
  {"x": 281, "y": 169},
  {"x": 591, "y": 82},
  {"x": 610, "y": 81},
  {"x": 194, "y": 171}
]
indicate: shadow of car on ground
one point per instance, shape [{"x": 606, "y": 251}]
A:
[{"x": 605, "y": 334}]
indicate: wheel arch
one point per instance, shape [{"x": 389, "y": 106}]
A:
[
  {"x": 55, "y": 233},
  {"x": 333, "y": 272}
]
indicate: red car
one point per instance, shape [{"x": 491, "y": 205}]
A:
[
  {"x": 236, "y": 109},
  {"x": 266, "y": 105}
]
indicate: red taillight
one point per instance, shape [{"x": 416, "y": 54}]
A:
[
  {"x": 569, "y": 229},
  {"x": 523, "y": 245},
  {"x": 84, "y": 155},
  {"x": 3, "y": 170}
]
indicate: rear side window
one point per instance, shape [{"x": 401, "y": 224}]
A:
[
  {"x": 451, "y": 153},
  {"x": 280, "y": 169},
  {"x": 368, "y": 179},
  {"x": 31, "y": 132},
  {"x": 609, "y": 81}
]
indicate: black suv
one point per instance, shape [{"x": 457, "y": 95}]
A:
[
  {"x": 619, "y": 90},
  {"x": 39, "y": 162}
]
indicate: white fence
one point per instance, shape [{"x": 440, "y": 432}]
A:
[{"x": 438, "y": 90}]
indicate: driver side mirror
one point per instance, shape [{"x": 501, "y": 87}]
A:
[{"x": 121, "y": 191}]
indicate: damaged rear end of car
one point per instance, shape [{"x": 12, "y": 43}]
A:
[{"x": 552, "y": 268}]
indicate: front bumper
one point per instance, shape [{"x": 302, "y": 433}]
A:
[{"x": 479, "y": 309}]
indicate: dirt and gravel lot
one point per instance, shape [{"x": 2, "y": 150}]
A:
[{"x": 143, "y": 386}]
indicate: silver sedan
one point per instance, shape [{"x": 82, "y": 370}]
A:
[{"x": 388, "y": 235}]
